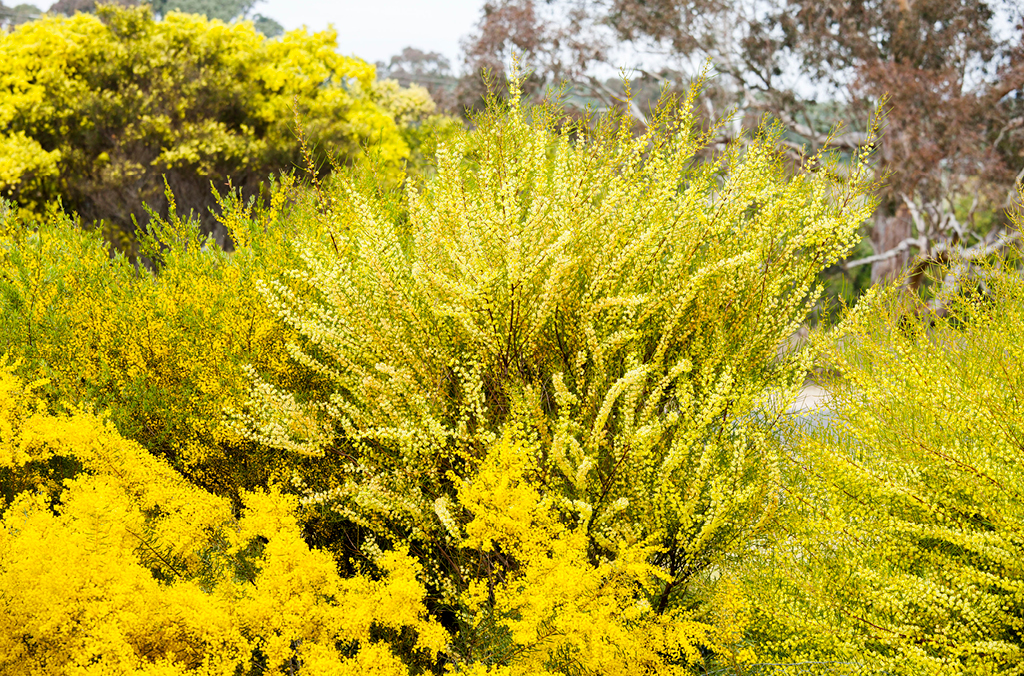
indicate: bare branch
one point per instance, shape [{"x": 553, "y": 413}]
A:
[
  {"x": 851, "y": 140},
  {"x": 915, "y": 213},
  {"x": 886, "y": 255},
  {"x": 983, "y": 249},
  {"x": 1009, "y": 126}
]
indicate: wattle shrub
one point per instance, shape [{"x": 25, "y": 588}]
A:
[
  {"x": 101, "y": 112},
  {"x": 610, "y": 308},
  {"x": 902, "y": 548},
  {"x": 536, "y": 391}
]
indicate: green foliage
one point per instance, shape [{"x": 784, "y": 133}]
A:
[
  {"x": 267, "y": 26},
  {"x": 607, "y": 299},
  {"x": 100, "y": 112},
  {"x": 902, "y": 548},
  {"x": 225, "y": 10},
  {"x": 18, "y": 14},
  {"x": 842, "y": 287}
]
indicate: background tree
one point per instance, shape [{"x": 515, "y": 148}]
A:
[
  {"x": 17, "y": 15},
  {"x": 557, "y": 42},
  {"x": 225, "y": 10},
  {"x": 955, "y": 139},
  {"x": 69, "y": 7},
  {"x": 430, "y": 70}
]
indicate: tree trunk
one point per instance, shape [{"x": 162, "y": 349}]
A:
[{"x": 889, "y": 230}]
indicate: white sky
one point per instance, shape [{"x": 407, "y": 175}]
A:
[{"x": 375, "y": 30}]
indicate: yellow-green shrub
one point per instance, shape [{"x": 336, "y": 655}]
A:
[
  {"x": 161, "y": 354},
  {"x": 99, "y": 111},
  {"x": 903, "y": 549},
  {"x": 614, "y": 302},
  {"x": 130, "y": 569}
]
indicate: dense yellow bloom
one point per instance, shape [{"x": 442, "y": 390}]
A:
[
  {"x": 134, "y": 570},
  {"x": 546, "y": 606},
  {"x": 195, "y": 102}
]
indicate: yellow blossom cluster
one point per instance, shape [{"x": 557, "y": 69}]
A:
[
  {"x": 196, "y": 102},
  {"x": 543, "y": 606},
  {"x": 129, "y": 569}
]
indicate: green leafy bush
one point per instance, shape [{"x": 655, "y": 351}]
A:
[{"x": 160, "y": 354}]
